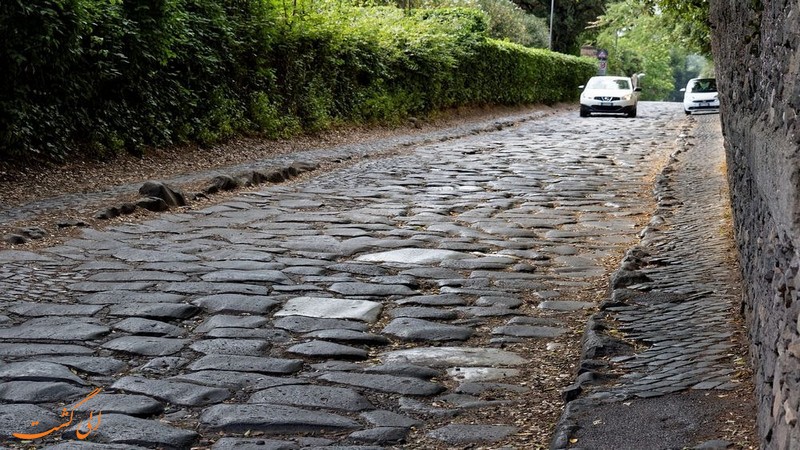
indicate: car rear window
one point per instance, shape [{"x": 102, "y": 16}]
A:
[{"x": 704, "y": 85}]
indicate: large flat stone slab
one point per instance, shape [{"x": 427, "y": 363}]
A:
[
  {"x": 132, "y": 405},
  {"x": 331, "y": 308},
  {"x": 122, "y": 429},
  {"x": 312, "y": 396},
  {"x": 272, "y": 419},
  {"x": 55, "y": 328},
  {"x": 410, "y": 329},
  {"x": 175, "y": 392},
  {"x": 413, "y": 256},
  {"x": 17, "y": 418},
  {"x": 384, "y": 383},
  {"x": 468, "y": 434},
  {"x": 146, "y": 345},
  {"x": 324, "y": 349},
  {"x": 370, "y": 289},
  {"x": 248, "y": 364},
  {"x": 454, "y": 357},
  {"x": 38, "y": 371},
  {"x": 40, "y": 391},
  {"x": 236, "y": 303}
]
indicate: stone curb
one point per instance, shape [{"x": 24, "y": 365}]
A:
[{"x": 597, "y": 342}]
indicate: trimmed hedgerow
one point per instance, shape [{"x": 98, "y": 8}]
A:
[{"x": 103, "y": 76}]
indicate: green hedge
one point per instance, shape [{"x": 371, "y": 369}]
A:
[{"x": 102, "y": 76}]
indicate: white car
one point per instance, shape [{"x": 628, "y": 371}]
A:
[
  {"x": 609, "y": 95},
  {"x": 700, "y": 94}
]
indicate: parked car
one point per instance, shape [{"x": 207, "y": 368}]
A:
[
  {"x": 609, "y": 95},
  {"x": 700, "y": 94}
]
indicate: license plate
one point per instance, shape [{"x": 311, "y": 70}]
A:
[{"x": 606, "y": 104}]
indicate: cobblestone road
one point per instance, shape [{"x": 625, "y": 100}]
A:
[{"x": 383, "y": 305}]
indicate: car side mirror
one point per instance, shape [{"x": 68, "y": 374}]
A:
[
  {"x": 581, "y": 86},
  {"x": 683, "y": 89},
  {"x": 638, "y": 89}
]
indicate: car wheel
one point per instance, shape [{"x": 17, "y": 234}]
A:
[
  {"x": 688, "y": 113},
  {"x": 584, "y": 113},
  {"x": 632, "y": 113}
]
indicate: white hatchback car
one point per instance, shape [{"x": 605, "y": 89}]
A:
[
  {"x": 609, "y": 95},
  {"x": 700, "y": 94}
]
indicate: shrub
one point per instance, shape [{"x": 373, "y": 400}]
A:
[{"x": 107, "y": 75}]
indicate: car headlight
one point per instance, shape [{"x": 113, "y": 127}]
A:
[{"x": 627, "y": 97}]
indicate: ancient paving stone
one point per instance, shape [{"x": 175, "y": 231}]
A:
[
  {"x": 359, "y": 269},
  {"x": 155, "y": 310},
  {"x": 370, "y": 289},
  {"x": 380, "y": 435},
  {"x": 21, "y": 255},
  {"x": 146, "y": 345},
  {"x": 253, "y": 276},
  {"x": 38, "y": 371},
  {"x": 208, "y": 288},
  {"x": 467, "y": 434},
  {"x": 136, "y": 275},
  {"x": 122, "y": 429},
  {"x": 132, "y": 405},
  {"x": 226, "y": 346},
  {"x": 137, "y": 255},
  {"x": 472, "y": 374},
  {"x": 486, "y": 311},
  {"x": 272, "y": 419},
  {"x": 331, "y": 308},
  {"x": 96, "y": 365},
  {"x": 40, "y": 391},
  {"x": 31, "y": 309},
  {"x": 163, "y": 364},
  {"x": 102, "y": 286},
  {"x": 175, "y": 392},
  {"x": 324, "y": 349},
  {"x": 312, "y": 396},
  {"x": 17, "y": 418},
  {"x": 422, "y": 312},
  {"x": 529, "y": 331},
  {"x": 422, "y": 330},
  {"x": 229, "y": 443},
  {"x": 235, "y": 380},
  {"x": 248, "y": 364},
  {"x": 147, "y": 327},
  {"x": 267, "y": 334},
  {"x": 454, "y": 356},
  {"x": 487, "y": 263},
  {"x": 433, "y": 300},
  {"x": 55, "y": 328},
  {"x": 416, "y": 407},
  {"x": 383, "y": 418},
  {"x": 565, "y": 305},
  {"x": 130, "y": 297},
  {"x": 404, "y": 370},
  {"x": 349, "y": 336},
  {"x": 227, "y": 321},
  {"x": 27, "y": 350},
  {"x": 413, "y": 256},
  {"x": 499, "y": 301},
  {"x": 385, "y": 383},
  {"x": 436, "y": 273}
]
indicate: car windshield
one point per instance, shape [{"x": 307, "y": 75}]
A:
[
  {"x": 703, "y": 85},
  {"x": 608, "y": 83}
]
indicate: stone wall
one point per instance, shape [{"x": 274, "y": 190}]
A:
[{"x": 757, "y": 53}]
